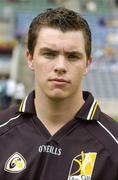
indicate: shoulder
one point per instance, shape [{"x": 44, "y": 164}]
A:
[
  {"x": 8, "y": 119},
  {"x": 7, "y": 114},
  {"x": 108, "y": 133},
  {"x": 108, "y": 123},
  {"x": 105, "y": 132}
]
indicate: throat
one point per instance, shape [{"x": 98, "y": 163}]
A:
[
  {"x": 53, "y": 120},
  {"x": 54, "y": 117}
]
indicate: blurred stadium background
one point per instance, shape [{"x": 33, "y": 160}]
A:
[{"x": 102, "y": 16}]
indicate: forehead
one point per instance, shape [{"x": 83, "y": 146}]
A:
[{"x": 56, "y": 39}]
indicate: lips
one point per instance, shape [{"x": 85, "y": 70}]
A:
[{"x": 61, "y": 80}]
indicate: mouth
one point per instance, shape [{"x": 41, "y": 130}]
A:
[{"x": 61, "y": 80}]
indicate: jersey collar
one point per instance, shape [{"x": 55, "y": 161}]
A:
[
  {"x": 89, "y": 111},
  {"x": 27, "y": 105}
]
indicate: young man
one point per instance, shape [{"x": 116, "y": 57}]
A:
[{"x": 59, "y": 131}]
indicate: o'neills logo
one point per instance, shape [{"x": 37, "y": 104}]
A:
[
  {"x": 82, "y": 166},
  {"x": 50, "y": 149}
]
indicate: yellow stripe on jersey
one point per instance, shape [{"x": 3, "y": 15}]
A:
[
  {"x": 93, "y": 111},
  {"x": 21, "y": 106}
]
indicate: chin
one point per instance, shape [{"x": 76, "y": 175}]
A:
[{"x": 58, "y": 96}]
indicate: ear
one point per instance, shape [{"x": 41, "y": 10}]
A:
[
  {"x": 30, "y": 60},
  {"x": 88, "y": 64}
]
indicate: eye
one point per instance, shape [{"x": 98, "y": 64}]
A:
[
  {"x": 49, "y": 55},
  {"x": 73, "y": 57}
]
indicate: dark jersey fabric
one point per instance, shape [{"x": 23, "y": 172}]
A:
[{"x": 86, "y": 148}]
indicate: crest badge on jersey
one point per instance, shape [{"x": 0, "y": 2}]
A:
[
  {"x": 82, "y": 166},
  {"x": 15, "y": 164}
]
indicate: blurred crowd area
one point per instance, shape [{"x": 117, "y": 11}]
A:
[
  {"x": 11, "y": 92},
  {"x": 15, "y": 16}
]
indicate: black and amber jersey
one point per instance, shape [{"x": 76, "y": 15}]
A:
[{"x": 86, "y": 148}]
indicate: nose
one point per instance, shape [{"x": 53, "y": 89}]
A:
[{"x": 60, "y": 66}]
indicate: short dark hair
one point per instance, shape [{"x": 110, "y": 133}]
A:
[{"x": 59, "y": 18}]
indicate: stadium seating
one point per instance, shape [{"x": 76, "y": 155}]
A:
[
  {"x": 102, "y": 79},
  {"x": 103, "y": 84}
]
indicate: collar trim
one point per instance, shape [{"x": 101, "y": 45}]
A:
[
  {"x": 23, "y": 105},
  {"x": 92, "y": 110}
]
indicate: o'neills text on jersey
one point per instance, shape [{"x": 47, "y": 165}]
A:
[{"x": 50, "y": 149}]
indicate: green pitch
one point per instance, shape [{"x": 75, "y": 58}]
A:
[{"x": 115, "y": 118}]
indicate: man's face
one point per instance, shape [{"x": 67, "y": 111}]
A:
[{"x": 59, "y": 63}]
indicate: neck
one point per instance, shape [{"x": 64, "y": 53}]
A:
[{"x": 56, "y": 113}]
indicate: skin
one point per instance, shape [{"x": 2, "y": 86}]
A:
[{"x": 59, "y": 63}]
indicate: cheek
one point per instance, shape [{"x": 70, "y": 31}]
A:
[
  {"x": 41, "y": 73},
  {"x": 79, "y": 72},
  {"x": 77, "y": 77}
]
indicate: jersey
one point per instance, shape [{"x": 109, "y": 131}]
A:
[{"x": 86, "y": 148}]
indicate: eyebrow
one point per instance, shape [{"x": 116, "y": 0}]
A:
[
  {"x": 46, "y": 49},
  {"x": 74, "y": 53}
]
